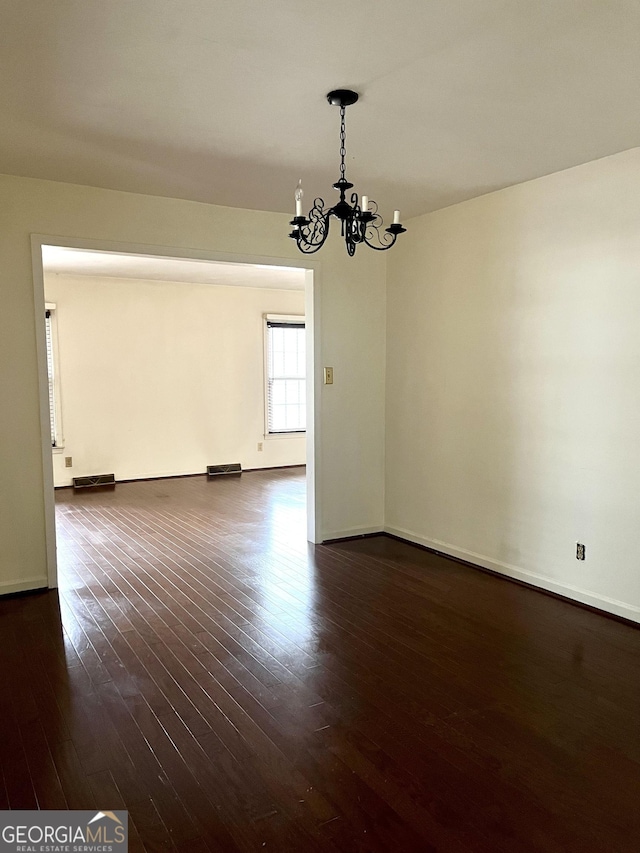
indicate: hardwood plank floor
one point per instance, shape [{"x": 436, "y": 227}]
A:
[{"x": 237, "y": 689}]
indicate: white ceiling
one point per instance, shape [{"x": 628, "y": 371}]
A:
[
  {"x": 223, "y": 101},
  {"x": 58, "y": 259}
]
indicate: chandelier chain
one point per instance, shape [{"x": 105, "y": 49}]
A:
[{"x": 343, "y": 140}]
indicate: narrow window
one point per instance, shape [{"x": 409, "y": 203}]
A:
[
  {"x": 52, "y": 374},
  {"x": 286, "y": 375}
]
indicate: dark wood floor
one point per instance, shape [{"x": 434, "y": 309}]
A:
[{"x": 237, "y": 689}]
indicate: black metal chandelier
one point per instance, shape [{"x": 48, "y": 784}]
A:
[{"x": 360, "y": 220}]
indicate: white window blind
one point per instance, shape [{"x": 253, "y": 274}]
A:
[
  {"x": 51, "y": 376},
  {"x": 286, "y": 377}
]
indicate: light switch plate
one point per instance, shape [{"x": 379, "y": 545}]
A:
[{"x": 328, "y": 376}]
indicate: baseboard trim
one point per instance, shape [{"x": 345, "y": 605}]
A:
[
  {"x": 275, "y": 467},
  {"x": 161, "y": 477},
  {"x": 354, "y": 537},
  {"x": 592, "y": 601},
  {"x": 182, "y": 476},
  {"x": 26, "y": 585},
  {"x": 350, "y": 533},
  {"x": 147, "y": 479}
]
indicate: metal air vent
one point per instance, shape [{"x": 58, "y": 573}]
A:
[
  {"x": 94, "y": 480},
  {"x": 231, "y": 468}
]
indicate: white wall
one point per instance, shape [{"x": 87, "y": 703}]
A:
[
  {"x": 513, "y": 382},
  {"x": 513, "y": 400},
  {"x": 162, "y": 378},
  {"x": 351, "y": 338}
]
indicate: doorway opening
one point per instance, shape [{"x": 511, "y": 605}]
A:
[{"x": 198, "y": 306}]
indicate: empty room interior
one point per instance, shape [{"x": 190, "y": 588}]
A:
[{"x": 320, "y": 374}]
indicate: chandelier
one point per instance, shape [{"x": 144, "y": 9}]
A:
[{"x": 360, "y": 221}]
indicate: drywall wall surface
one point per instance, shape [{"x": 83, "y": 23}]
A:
[
  {"x": 513, "y": 382},
  {"x": 359, "y": 363},
  {"x": 351, "y": 324},
  {"x": 162, "y": 378}
]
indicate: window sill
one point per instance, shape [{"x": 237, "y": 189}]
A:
[
  {"x": 57, "y": 449},
  {"x": 278, "y": 435}
]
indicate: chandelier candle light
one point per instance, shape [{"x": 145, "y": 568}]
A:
[{"x": 360, "y": 221}]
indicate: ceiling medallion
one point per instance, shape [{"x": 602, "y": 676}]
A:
[{"x": 360, "y": 220}]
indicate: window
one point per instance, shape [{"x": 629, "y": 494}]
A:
[
  {"x": 53, "y": 376},
  {"x": 286, "y": 375}
]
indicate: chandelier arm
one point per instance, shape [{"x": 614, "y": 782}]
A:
[
  {"x": 357, "y": 228},
  {"x": 376, "y": 240},
  {"x": 307, "y": 248},
  {"x": 311, "y": 237},
  {"x": 361, "y": 217},
  {"x": 392, "y": 240},
  {"x": 351, "y": 237}
]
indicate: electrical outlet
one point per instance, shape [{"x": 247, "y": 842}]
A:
[
  {"x": 580, "y": 551},
  {"x": 68, "y": 462},
  {"x": 259, "y": 445}
]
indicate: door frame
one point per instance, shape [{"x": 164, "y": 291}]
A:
[{"x": 314, "y": 360}]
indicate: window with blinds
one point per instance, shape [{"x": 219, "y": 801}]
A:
[
  {"x": 51, "y": 372},
  {"x": 286, "y": 376}
]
